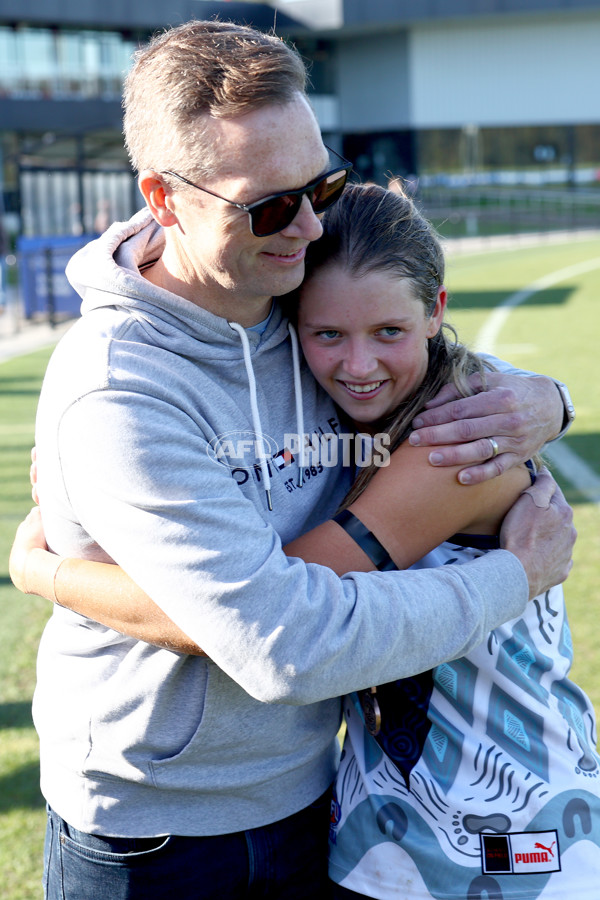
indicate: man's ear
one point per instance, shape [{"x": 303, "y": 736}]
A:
[{"x": 158, "y": 197}]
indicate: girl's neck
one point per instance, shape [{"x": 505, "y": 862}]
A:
[{"x": 367, "y": 427}]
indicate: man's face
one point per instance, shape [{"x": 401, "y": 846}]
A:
[{"x": 218, "y": 262}]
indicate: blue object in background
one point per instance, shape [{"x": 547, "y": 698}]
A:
[{"x": 44, "y": 285}]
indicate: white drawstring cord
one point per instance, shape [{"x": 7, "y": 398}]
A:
[
  {"x": 254, "y": 407},
  {"x": 298, "y": 399}
]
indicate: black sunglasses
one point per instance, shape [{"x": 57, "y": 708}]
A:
[{"x": 275, "y": 212}]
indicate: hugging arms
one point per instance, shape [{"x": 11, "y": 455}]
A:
[{"x": 530, "y": 404}]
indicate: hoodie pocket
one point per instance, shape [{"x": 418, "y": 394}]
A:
[
  {"x": 200, "y": 763},
  {"x": 150, "y": 718}
]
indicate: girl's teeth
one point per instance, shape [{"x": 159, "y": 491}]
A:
[{"x": 363, "y": 388}]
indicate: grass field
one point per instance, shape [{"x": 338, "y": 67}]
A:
[
  {"x": 554, "y": 331},
  {"x": 21, "y": 620}
]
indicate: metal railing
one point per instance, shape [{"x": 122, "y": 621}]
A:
[{"x": 472, "y": 211}]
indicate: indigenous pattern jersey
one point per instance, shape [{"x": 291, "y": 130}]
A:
[{"x": 483, "y": 779}]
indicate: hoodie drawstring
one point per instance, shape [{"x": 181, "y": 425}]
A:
[
  {"x": 256, "y": 423},
  {"x": 298, "y": 399}
]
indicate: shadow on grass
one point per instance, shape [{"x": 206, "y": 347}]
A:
[
  {"x": 492, "y": 299},
  {"x": 19, "y": 386},
  {"x": 587, "y": 446},
  {"x": 5, "y": 582},
  {"x": 19, "y": 788},
  {"x": 16, "y": 715}
]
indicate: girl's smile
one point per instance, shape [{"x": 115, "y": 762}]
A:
[{"x": 365, "y": 339}]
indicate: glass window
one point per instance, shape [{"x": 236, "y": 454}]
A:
[
  {"x": 39, "y": 60},
  {"x": 9, "y": 59},
  {"x": 63, "y": 63}
]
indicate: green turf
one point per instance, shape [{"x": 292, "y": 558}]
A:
[
  {"x": 554, "y": 332},
  {"x": 22, "y": 816}
]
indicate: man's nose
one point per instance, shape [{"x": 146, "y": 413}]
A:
[{"x": 305, "y": 224}]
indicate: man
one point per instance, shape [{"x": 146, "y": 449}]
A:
[{"x": 173, "y": 776}]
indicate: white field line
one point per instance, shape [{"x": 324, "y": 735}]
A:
[
  {"x": 579, "y": 473},
  {"x": 573, "y": 467}
]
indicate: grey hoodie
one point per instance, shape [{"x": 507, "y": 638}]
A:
[{"x": 144, "y": 436}]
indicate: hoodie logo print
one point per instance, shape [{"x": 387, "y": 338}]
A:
[{"x": 241, "y": 449}]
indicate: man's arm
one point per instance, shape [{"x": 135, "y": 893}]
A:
[
  {"x": 132, "y": 482},
  {"x": 106, "y": 594}
]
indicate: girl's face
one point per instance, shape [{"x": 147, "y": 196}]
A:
[{"x": 365, "y": 339}]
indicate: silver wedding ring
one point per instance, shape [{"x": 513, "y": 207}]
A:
[{"x": 495, "y": 448}]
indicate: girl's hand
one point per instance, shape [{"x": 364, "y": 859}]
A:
[
  {"x": 30, "y": 536},
  {"x": 33, "y": 476}
]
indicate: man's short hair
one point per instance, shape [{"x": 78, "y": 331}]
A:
[{"x": 198, "y": 69}]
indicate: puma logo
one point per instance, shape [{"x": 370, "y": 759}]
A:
[{"x": 548, "y": 849}]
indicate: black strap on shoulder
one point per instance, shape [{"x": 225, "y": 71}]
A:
[
  {"x": 532, "y": 470},
  {"x": 475, "y": 541},
  {"x": 366, "y": 540}
]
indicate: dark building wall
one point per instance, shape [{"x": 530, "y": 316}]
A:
[
  {"x": 399, "y": 12},
  {"x": 137, "y": 14},
  {"x": 60, "y": 115}
]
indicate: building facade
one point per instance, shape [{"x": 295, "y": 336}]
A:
[
  {"x": 441, "y": 89},
  {"x": 468, "y": 86}
]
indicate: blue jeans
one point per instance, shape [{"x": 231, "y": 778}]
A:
[
  {"x": 340, "y": 893},
  {"x": 286, "y": 860}
]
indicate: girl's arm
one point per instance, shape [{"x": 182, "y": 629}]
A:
[
  {"x": 99, "y": 591},
  {"x": 410, "y": 506}
]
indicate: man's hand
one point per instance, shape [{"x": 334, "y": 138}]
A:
[
  {"x": 516, "y": 414},
  {"x": 30, "y": 536},
  {"x": 539, "y": 531}
]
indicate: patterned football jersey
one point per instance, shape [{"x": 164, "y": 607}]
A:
[{"x": 478, "y": 779}]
